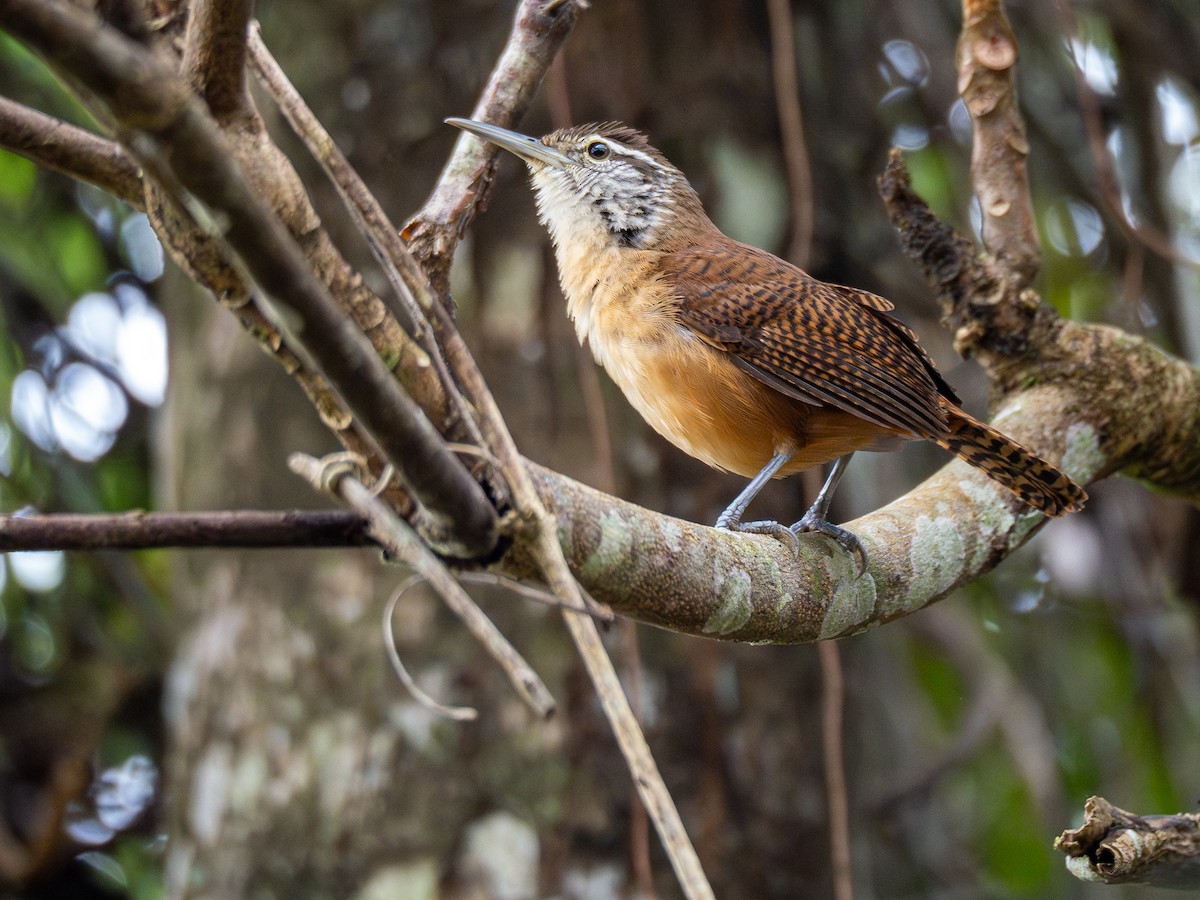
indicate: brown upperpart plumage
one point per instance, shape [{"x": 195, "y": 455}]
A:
[{"x": 732, "y": 354}]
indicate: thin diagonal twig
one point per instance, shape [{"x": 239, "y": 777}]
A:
[
  {"x": 403, "y": 274},
  {"x": 539, "y": 29},
  {"x": 1107, "y": 183},
  {"x": 402, "y": 543},
  {"x": 71, "y": 150}
]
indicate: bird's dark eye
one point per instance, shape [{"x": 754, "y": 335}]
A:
[{"x": 597, "y": 150}]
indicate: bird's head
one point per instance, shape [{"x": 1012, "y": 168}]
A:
[{"x": 603, "y": 182}]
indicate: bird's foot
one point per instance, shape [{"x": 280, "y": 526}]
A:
[
  {"x": 775, "y": 529},
  {"x": 790, "y": 534},
  {"x": 848, "y": 541}
]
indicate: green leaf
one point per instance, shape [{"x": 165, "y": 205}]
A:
[
  {"x": 78, "y": 254},
  {"x": 17, "y": 178}
]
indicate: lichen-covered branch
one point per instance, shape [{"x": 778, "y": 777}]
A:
[
  {"x": 1117, "y": 847},
  {"x": 945, "y": 533},
  {"x": 71, "y": 150}
]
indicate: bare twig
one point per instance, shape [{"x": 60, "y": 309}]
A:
[
  {"x": 833, "y": 698},
  {"x": 1106, "y": 175},
  {"x": 1118, "y": 847},
  {"x": 454, "y": 713},
  {"x": 996, "y": 700},
  {"x": 214, "y": 55},
  {"x": 597, "y": 420},
  {"x": 402, "y": 543},
  {"x": 791, "y": 127},
  {"x": 539, "y": 29},
  {"x": 405, "y": 276},
  {"x": 147, "y": 97},
  {"x": 646, "y": 776},
  {"x": 987, "y": 57},
  {"x": 142, "y": 530},
  {"x": 65, "y": 148},
  {"x": 532, "y": 592},
  {"x": 541, "y": 535}
]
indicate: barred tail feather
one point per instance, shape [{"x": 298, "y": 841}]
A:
[{"x": 1019, "y": 469}]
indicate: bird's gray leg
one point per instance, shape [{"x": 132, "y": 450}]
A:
[
  {"x": 731, "y": 519},
  {"x": 816, "y": 517}
]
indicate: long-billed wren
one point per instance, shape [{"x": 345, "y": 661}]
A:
[{"x": 735, "y": 356}]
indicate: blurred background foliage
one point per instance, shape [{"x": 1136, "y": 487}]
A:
[{"x": 974, "y": 731}]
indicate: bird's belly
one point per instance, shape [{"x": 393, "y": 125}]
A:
[{"x": 696, "y": 398}]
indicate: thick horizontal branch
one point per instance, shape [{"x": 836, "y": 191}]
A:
[
  {"x": 945, "y": 533},
  {"x": 71, "y": 150},
  {"x": 145, "y": 96},
  {"x": 1117, "y": 847},
  {"x": 142, "y": 530}
]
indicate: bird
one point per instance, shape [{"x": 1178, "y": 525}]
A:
[{"x": 737, "y": 357}]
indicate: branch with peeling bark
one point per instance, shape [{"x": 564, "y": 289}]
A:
[
  {"x": 987, "y": 58},
  {"x": 1117, "y": 847}
]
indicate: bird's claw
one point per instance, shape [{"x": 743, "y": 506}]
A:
[
  {"x": 847, "y": 540},
  {"x": 790, "y": 535},
  {"x": 775, "y": 529}
]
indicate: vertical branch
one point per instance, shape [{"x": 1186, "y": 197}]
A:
[
  {"x": 833, "y": 702},
  {"x": 214, "y": 54},
  {"x": 987, "y": 57},
  {"x": 538, "y": 31},
  {"x": 791, "y": 125},
  {"x": 1107, "y": 183},
  {"x": 833, "y": 746}
]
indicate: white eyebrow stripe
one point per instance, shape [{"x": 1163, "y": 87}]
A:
[{"x": 629, "y": 151}]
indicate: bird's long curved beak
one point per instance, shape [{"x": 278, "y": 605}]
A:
[{"x": 530, "y": 149}]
